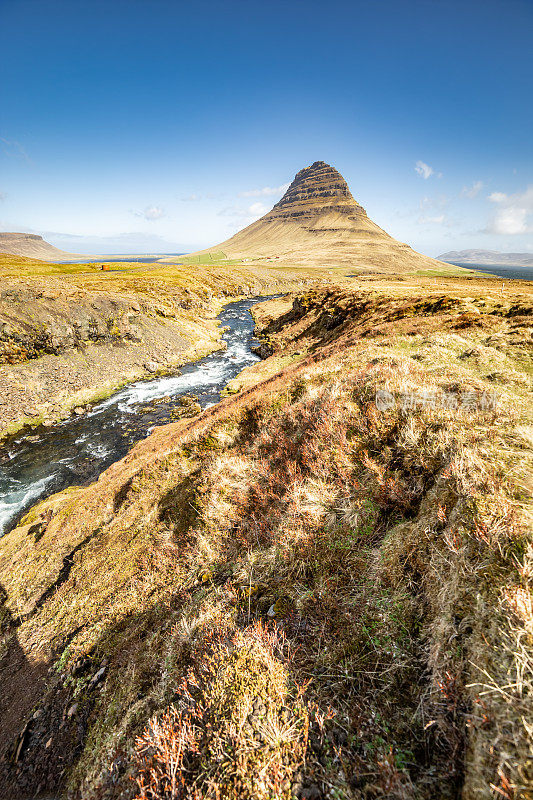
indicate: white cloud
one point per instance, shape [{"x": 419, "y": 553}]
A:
[
  {"x": 437, "y": 202},
  {"x": 514, "y": 213},
  {"x": 497, "y": 197},
  {"x": 472, "y": 191},
  {"x": 231, "y": 211},
  {"x": 151, "y": 213},
  {"x": 510, "y": 221},
  {"x": 257, "y": 210},
  {"x": 3, "y": 196},
  {"x": 425, "y": 171},
  {"x": 195, "y": 196},
  {"x": 439, "y": 220},
  {"x": 244, "y": 214},
  {"x": 265, "y": 191}
]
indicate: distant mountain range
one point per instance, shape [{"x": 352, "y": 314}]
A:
[{"x": 488, "y": 257}]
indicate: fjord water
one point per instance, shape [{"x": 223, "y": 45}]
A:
[
  {"x": 516, "y": 273},
  {"x": 77, "y": 450},
  {"x": 124, "y": 259}
]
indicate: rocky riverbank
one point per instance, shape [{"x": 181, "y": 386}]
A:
[
  {"x": 69, "y": 340},
  {"x": 62, "y": 348}
]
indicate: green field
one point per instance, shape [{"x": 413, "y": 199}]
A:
[{"x": 205, "y": 258}]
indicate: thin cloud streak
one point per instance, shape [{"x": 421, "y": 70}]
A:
[
  {"x": 266, "y": 191},
  {"x": 473, "y": 190},
  {"x": 151, "y": 213},
  {"x": 14, "y": 149}
]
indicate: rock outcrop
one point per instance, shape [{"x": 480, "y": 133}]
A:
[
  {"x": 54, "y": 319},
  {"x": 317, "y": 223}
]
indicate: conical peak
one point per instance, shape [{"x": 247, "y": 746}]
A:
[
  {"x": 318, "y": 180},
  {"x": 322, "y": 175},
  {"x": 316, "y": 190}
]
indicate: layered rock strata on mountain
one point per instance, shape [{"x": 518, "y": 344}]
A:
[{"x": 316, "y": 190}]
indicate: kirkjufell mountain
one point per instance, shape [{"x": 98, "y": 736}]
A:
[{"x": 317, "y": 222}]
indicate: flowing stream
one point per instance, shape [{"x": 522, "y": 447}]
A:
[{"x": 76, "y": 450}]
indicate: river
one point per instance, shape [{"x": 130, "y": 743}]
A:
[{"x": 76, "y": 450}]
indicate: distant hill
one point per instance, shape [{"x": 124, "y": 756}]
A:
[
  {"x": 32, "y": 246},
  {"x": 488, "y": 257},
  {"x": 317, "y": 223}
]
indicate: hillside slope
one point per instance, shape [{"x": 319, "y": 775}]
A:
[
  {"x": 318, "y": 588},
  {"x": 31, "y": 245},
  {"x": 318, "y": 223}
]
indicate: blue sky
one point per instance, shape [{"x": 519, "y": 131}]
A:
[{"x": 159, "y": 125}]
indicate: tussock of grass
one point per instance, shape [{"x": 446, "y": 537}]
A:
[{"x": 236, "y": 727}]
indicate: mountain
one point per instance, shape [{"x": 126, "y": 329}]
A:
[
  {"x": 488, "y": 257},
  {"x": 317, "y": 222},
  {"x": 32, "y": 246}
]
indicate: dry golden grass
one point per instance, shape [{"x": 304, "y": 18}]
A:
[
  {"x": 300, "y": 594},
  {"x": 239, "y": 728}
]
